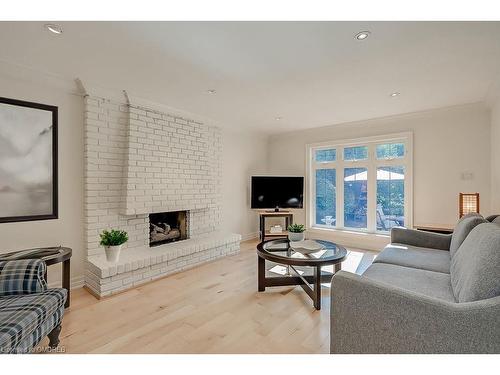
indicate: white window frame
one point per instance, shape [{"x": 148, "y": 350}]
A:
[{"x": 371, "y": 164}]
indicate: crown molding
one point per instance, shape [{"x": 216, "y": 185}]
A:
[
  {"x": 90, "y": 89},
  {"x": 82, "y": 87},
  {"x": 130, "y": 98},
  {"x": 29, "y": 75},
  {"x": 379, "y": 120},
  {"x": 137, "y": 101}
]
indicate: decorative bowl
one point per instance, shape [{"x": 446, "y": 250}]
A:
[{"x": 306, "y": 246}]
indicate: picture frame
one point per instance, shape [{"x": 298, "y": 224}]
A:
[{"x": 28, "y": 161}]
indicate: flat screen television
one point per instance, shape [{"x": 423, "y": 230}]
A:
[{"x": 277, "y": 192}]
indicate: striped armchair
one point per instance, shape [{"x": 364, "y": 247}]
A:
[{"x": 28, "y": 310}]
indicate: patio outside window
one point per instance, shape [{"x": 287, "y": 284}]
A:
[{"x": 361, "y": 185}]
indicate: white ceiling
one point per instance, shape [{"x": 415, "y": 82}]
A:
[{"x": 309, "y": 73}]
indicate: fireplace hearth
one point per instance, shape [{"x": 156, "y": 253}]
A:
[{"x": 165, "y": 227}]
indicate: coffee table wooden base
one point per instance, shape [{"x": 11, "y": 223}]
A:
[{"x": 305, "y": 282}]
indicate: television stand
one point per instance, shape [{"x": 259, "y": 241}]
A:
[{"x": 263, "y": 215}]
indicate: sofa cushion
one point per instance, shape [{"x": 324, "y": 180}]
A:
[
  {"x": 462, "y": 230},
  {"x": 415, "y": 257},
  {"x": 475, "y": 268},
  {"x": 23, "y": 276},
  {"x": 21, "y": 316},
  {"x": 496, "y": 220},
  {"x": 429, "y": 283}
]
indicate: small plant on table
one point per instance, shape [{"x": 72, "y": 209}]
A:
[{"x": 296, "y": 232}]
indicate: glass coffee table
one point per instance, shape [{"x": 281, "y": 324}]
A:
[{"x": 279, "y": 251}]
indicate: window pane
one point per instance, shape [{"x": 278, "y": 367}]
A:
[
  {"x": 355, "y": 197},
  {"x": 356, "y": 153},
  {"x": 390, "y": 197},
  {"x": 325, "y": 197},
  {"x": 322, "y": 156},
  {"x": 391, "y": 151}
]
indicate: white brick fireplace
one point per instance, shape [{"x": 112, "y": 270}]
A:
[{"x": 140, "y": 161}]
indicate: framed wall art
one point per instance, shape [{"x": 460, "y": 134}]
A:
[{"x": 28, "y": 161}]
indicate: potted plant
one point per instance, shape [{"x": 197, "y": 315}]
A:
[
  {"x": 296, "y": 232},
  {"x": 112, "y": 240}
]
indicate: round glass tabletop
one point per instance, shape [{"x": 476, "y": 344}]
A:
[{"x": 279, "y": 251}]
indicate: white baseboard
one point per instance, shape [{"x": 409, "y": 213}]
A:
[
  {"x": 358, "y": 240},
  {"x": 250, "y": 236},
  {"x": 76, "y": 282}
]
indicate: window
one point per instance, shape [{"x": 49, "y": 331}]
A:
[
  {"x": 323, "y": 156},
  {"x": 356, "y": 153},
  {"x": 374, "y": 189},
  {"x": 355, "y": 197},
  {"x": 390, "y": 151},
  {"x": 390, "y": 197},
  {"x": 326, "y": 197}
]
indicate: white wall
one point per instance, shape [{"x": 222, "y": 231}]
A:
[
  {"x": 243, "y": 155},
  {"x": 67, "y": 230},
  {"x": 495, "y": 155},
  {"x": 447, "y": 142}
]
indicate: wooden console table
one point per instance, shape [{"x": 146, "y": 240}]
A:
[
  {"x": 265, "y": 215},
  {"x": 50, "y": 255}
]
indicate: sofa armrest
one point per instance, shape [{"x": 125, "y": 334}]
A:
[
  {"x": 420, "y": 238},
  {"x": 22, "y": 277},
  {"x": 372, "y": 317}
]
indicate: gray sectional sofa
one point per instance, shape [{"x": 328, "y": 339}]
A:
[{"x": 424, "y": 293}]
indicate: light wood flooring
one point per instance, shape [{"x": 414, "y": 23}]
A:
[{"x": 213, "y": 308}]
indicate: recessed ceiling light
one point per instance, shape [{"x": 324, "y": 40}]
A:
[
  {"x": 362, "y": 35},
  {"x": 211, "y": 91},
  {"x": 394, "y": 94},
  {"x": 278, "y": 118},
  {"x": 53, "y": 28}
]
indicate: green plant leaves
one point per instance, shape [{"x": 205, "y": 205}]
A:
[
  {"x": 113, "y": 237},
  {"x": 296, "y": 228}
]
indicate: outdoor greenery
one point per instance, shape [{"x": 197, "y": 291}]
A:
[
  {"x": 328, "y": 155},
  {"x": 356, "y": 153},
  {"x": 390, "y": 150},
  {"x": 390, "y": 194},
  {"x": 113, "y": 237},
  {"x": 325, "y": 194},
  {"x": 391, "y": 197},
  {"x": 296, "y": 228}
]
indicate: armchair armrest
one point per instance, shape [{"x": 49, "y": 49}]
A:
[
  {"x": 372, "y": 317},
  {"x": 420, "y": 238},
  {"x": 22, "y": 277}
]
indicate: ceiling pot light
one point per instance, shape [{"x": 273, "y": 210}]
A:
[
  {"x": 279, "y": 118},
  {"x": 362, "y": 35},
  {"x": 53, "y": 28},
  {"x": 394, "y": 94},
  {"x": 211, "y": 91}
]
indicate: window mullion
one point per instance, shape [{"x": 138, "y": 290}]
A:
[
  {"x": 372, "y": 190},
  {"x": 340, "y": 193}
]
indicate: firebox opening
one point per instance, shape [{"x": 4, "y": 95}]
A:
[{"x": 165, "y": 227}]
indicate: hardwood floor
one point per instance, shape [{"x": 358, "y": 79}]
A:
[{"x": 213, "y": 308}]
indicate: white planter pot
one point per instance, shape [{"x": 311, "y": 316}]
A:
[
  {"x": 296, "y": 236},
  {"x": 113, "y": 253}
]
